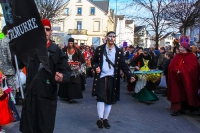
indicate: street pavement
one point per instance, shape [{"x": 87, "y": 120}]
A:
[{"x": 127, "y": 116}]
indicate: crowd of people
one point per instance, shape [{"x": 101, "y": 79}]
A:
[
  {"x": 180, "y": 67},
  {"x": 71, "y": 65}
]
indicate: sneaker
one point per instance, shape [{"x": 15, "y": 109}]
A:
[
  {"x": 106, "y": 124},
  {"x": 99, "y": 123}
]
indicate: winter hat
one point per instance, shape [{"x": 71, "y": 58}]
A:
[
  {"x": 157, "y": 52},
  {"x": 185, "y": 45},
  {"x": 71, "y": 40},
  {"x": 46, "y": 22}
]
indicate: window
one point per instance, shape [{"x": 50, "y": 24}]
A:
[
  {"x": 96, "y": 41},
  {"x": 56, "y": 28},
  {"x": 67, "y": 11},
  {"x": 92, "y": 11},
  {"x": 96, "y": 26},
  {"x": 79, "y": 25},
  {"x": 79, "y": 11},
  {"x": 79, "y": 0}
]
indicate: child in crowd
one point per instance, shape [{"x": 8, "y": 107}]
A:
[
  {"x": 168, "y": 58},
  {"x": 6, "y": 116}
]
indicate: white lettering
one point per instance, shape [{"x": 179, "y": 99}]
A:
[
  {"x": 29, "y": 24},
  {"x": 25, "y": 27},
  {"x": 11, "y": 34},
  {"x": 34, "y": 24},
  {"x": 17, "y": 32},
  {"x": 22, "y": 28}
]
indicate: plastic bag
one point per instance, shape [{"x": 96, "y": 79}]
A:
[
  {"x": 163, "y": 82},
  {"x": 22, "y": 79}
]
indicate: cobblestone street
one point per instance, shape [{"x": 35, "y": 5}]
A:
[{"x": 127, "y": 116}]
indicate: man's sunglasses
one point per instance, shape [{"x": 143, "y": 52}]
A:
[{"x": 47, "y": 29}]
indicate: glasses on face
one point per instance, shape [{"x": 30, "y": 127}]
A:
[
  {"x": 112, "y": 36},
  {"x": 47, "y": 29}
]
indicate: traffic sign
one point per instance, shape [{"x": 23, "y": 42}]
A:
[{"x": 184, "y": 40}]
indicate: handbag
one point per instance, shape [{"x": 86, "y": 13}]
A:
[
  {"x": 13, "y": 109},
  {"x": 163, "y": 82},
  {"x": 22, "y": 79}
]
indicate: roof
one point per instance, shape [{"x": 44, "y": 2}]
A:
[
  {"x": 175, "y": 35},
  {"x": 166, "y": 35},
  {"x": 121, "y": 17},
  {"x": 128, "y": 26},
  {"x": 103, "y": 4},
  {"x": 128, "y": 21},
  {"x": 138, "y": 28}
]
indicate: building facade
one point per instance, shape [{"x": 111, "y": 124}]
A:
[
  {"x": 168, "y": 38},
  {"x": 124, "y": 31},
  {"x": 194, "y": 33},
  {"x": 87, "y": 21},
  {"x": 142, "y": 37}
]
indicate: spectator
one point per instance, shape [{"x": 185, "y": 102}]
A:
[
  {"x": 161, "y": 58},
  {"x": 168, "y": 58}
]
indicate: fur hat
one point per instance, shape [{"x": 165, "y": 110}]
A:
[
  {"x": 46, "y": 22},
  {"x": 71, "y": 40}
]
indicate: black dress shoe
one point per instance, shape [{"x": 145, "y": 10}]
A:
[
  {"x": 176, "y": 113},
  {"x": 106, "y": 124},
  {"x": 99, "y": 123}
]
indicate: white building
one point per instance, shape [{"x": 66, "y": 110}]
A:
[
  {"x": 145, "y": 38},
  {"x": 168, "y": 38},
  {"x": 124, "y": 31},
  {"x": 87, "y": 21},
  {"x": 194, "y": 33}
]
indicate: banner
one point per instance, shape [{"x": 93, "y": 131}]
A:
[{"x": 26, "y": 30}]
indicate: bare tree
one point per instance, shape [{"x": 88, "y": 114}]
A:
[
  {"x": 183, "y": 13},
  {"x": 152, "y": 15},
  {"x": 50, "y": 9}
]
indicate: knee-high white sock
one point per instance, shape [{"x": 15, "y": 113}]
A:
[
  {"x": 100, "y": 109},
  {"x": 107, "y": 111}
]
